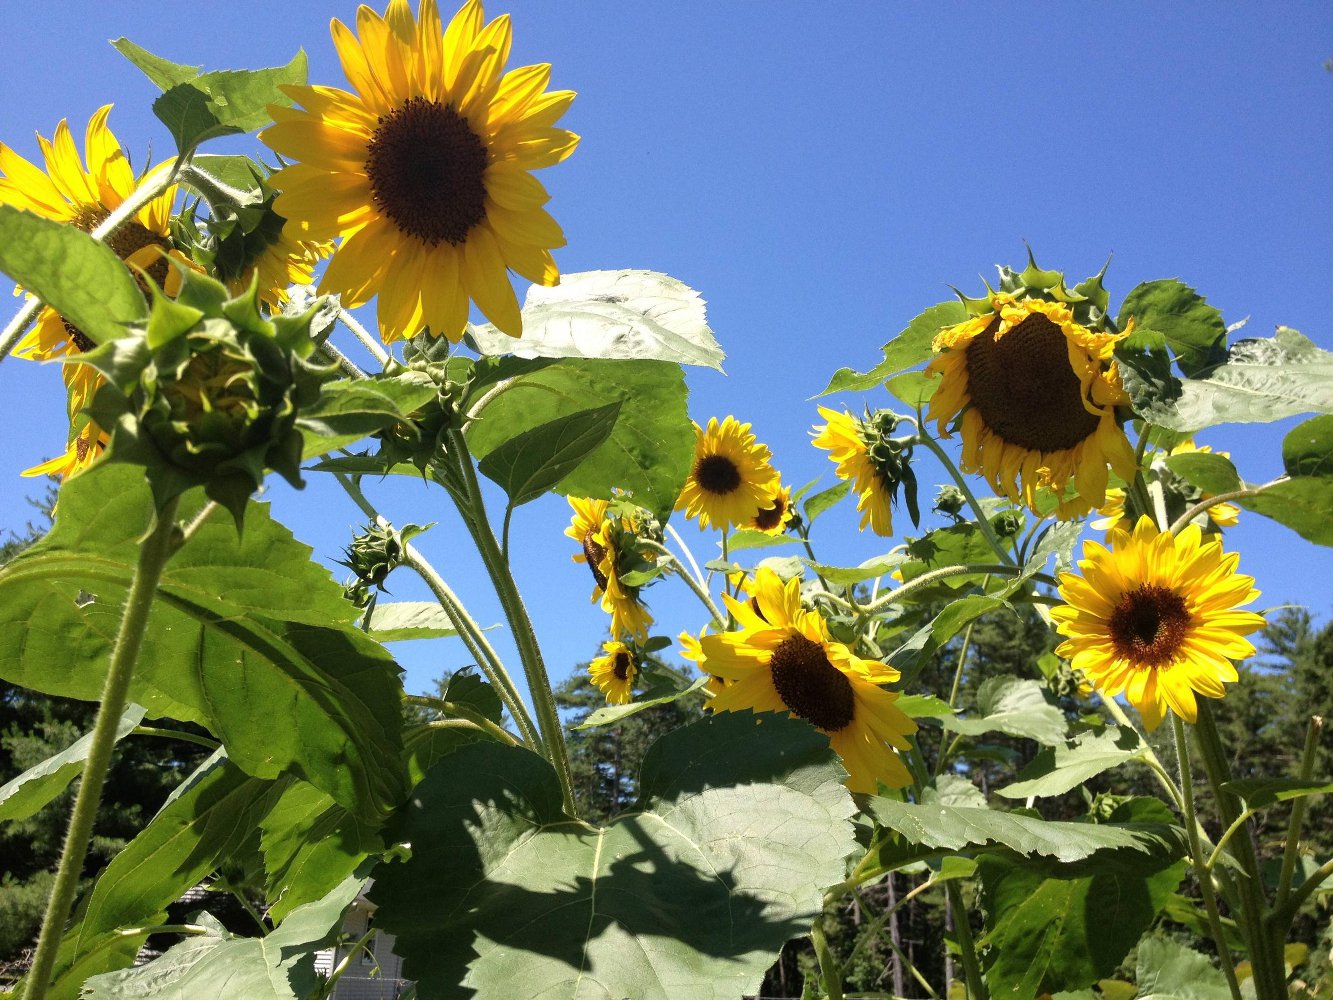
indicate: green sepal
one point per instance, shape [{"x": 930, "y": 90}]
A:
[{"x": 168, "y": 319}]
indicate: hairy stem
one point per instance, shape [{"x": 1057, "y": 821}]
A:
[
  {"x": 976, "y": 986},
  {"x": 463, "y": 712},
  {"x": 1212, "y": 502},
  {"x": 983, "y": 522}
]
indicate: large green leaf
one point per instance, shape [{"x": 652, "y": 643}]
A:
[
  {"x": 1167, "y": 970},
  {"x": 1016, "y": 707},
  {"x": 825, "y": 500},
  {"x": 923, "y": 644},
  {"x": 529, "y": 464},
  {"x": 1260, "y": 381},
  {"x": 38, "y": 785},
  {"x": 206, "y": 821},
  {"x": 227, "y": 645},
  {"x": 1209, "y": 472},
  {"x": 742, "y": 823},
  {"x": 1307, "y": 450},
  {"x": 350, "y": 410},
  {"x": 904, "y": 351},
  {"x": 648, "y": 453},
  {"x": 1304, "y": 505},
  {"x": 221, "y": 966},
  {"x": 394, "y": 621},
  {"x": 1194, "y": 330},
  {"x": 1063, "y": 767},
  {"x": 163, "y": 72},
  {"x": 1260, "y": 792},
  {"x": 73, "y": 273},
  {"x": 622, "y": 315}
]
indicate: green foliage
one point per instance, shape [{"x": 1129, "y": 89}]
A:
[
  {"x": 1167, "y": 970},
  {"x": 1193, "y": 330},
  {"x": 528, "y": 465},
  {"x": 398, "y": 620},
  {"x": 1303, "y": 503},
  {"x": 1067, "y": 765},
  {"x": 1014, "y": 706},
  {"x": 904, "y": 351}
]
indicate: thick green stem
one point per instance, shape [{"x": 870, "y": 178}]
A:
[
  {"x": 462, "y": 712},
  {"x": 983, "y": 522},
  {"x": 525, "y": 637},
  {"x": 362, "y": 334},
  {"x": 976, "y": 986},
  {"x": 1202, "y": 869},
  {"x": 1270, "y": 977},
  {"x": 1213, "y": 501},
  {"x": 157, "y": 549},
  {"x": 1292, "y": 849},
  {"x": 830, "y": 969}
]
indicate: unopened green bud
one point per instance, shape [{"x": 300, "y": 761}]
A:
[
  {"x": 950, "y": 501},
  {"x": 1008, "y": 523}
]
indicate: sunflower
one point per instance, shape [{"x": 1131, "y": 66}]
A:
[
  {"x": 783, "y": 660},
  {"x": 614, "y": 673},
  {"x": 424, "y": 171},
  {"x": 1037, "y": 393},
  {"x": 84, "y": 197},
  {"x": 731, "y": 480},
  {"x": 283, "y": 262},
  {"x": 1114, "y": 512},
  {"x": 844, "y": 438},
  {"x": 1156, "y": 617},
  {"x": 773, "y": 519},
  {"x": 595, "y": 532},
  {"x": 1223, "y": 515},
  {"x": 692, "y": 650}
]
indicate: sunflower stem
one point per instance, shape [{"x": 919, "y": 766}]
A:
[
  {"x": 1270, "y": 978},
  {"x": 176, "y": 734},
  {"x": 350, "y": 368},
  {"x": 684, "y": 547},
  {"x": 138, "y": 198},
  {"x": 1202, "y": 870},
  {"x": 1292, "y": 848},
  {"x": 464, "y": 713},
  {"x": 695, "y": 586},
  {"x": 362, "y": 334},
  {"x": 158, "y": 547},
  {"x": 830, "y": 969},
  {"x": 473, "y": 509},
  {"x": 983, "y": 522},
  {"x": 967, "y": 947},
  {"x": 1193, "y": 512}
]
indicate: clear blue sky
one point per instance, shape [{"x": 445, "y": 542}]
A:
[{"x": 819, "y": 173}]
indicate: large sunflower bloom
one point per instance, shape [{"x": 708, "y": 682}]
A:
[
  {"x": 84, "y": 197},
  {"x": 1156, "y": 617},
  {"x": 614, "y": 673},
  {"x": 732, "y": 478},
  {"x": 844, "y": 439},
  {"x": 423, "y": 172},
  {"x": 1038, "y": 394},
  {"x": 783, "y": 660},
  {"x": 591, "y": 528}
]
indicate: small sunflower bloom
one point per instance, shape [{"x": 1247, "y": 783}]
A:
[
  {"x": 845, "y": 438},
  {"x": 691, "y": 649},
  {"x": 773, "y": 519},
  {"x": 732, "y": 478},
  {"x": 423, "y": 171},
  {"x": 595, "y": 532},
  {"x": 614, "y": 673},
  {"x": 784, "y": 660},
  {"x": 84, "y": 197},
  {"x": 1157, "y": 618},
  {"x": 1036, "y": 395}
]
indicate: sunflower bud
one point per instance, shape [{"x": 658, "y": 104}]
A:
[
  {"x": 891, "y": 458},
  {"x": 373, "y": 555},
  {"x": 208, "y": 393},
  {"x": 420, "y": 439},
  {"x": 1008, "y": 523},
  {"x": 950, "y": 501}
]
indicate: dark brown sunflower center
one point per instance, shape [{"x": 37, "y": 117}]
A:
[
  {"x": 1025, "y": 388},
  {"x": 622, "y": 666},
  {"x": 427, "y": 171},
  {"x": 810, "y": 686},
  {"x": 594, "y": 552},
  {"x": 717, "y": 474},
  {"x": 127, "y": 240},
  {"x": 1149, "y": 624},
  {"x": 770, "y": 517}
]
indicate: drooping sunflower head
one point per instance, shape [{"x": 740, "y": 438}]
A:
[
  {"x": 875, "y": 463},
  {"x": 614, "y": 673},
  {"x": 1031, "y": 382},
  {"x": 1157, "y": 618},
  {"x": 423, "y": 171},
  {"x": 85, "y": 196},
  {"x": 795, "y": 667},
  {"x": 605, "y": 539},
  {"x": 732, "y": 478}
]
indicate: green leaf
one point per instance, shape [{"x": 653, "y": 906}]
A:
[
  {"x": 612, "y": 714},
  {"x": 824, "y": 500},
  {"x": 741, "y": 824},
  {"x": 1061, "y": 768},
  {"x": 868, "y": 570},
  {"x": 1194, "y": 330},
  {"x": 225, "y": 102},
  {"x": 904, "y": 351},
  {"x": 351, "y": 409},
  {"x": 1260, "y": 792},
  {"x": 1167, "y": 970},
  {"x": 1304, "y": 505},
  {"x": 527, "y": 465},
  {"x": 81, "y": 279},
  {"x": 1261, "y": 381},
  {"x": 648, "y": 453},
  {"x": 38, "y": 785},
  {"x": 1016, "y": 707},
  {"x": 395, "y": 621},
  {"x": 955, "y": 545},
  {"x": 744, "y": 539},
  {"x": 310, "y": 844},
  {"x": 221, "y": 966},
  {"x": 1211, "y": 473},
  {"x": 1307, "y": 450},
  {"x": 470, "y": 689},
  {"x": 913, "y": 388},
  {"x": 917, "y": 650},
  {"x": 1051, "y": 934},
  {"x": 228, "y": 632},
  {"x": 163, "y": 72},
  {"x": 619, "y": 315}
]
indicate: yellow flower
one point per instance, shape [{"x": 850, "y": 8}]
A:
[
  {"x": 593, "y": 530},
  {"x": 1156, "y": 617},
  {"x": 773, "y": 519},
  {"x": 1037, "y": 393},
  {"x": 692, "y": 650},
  {"x": 783, "y": 660},
  {"x": 1223, "y": 515},
  {"x": 844, "y": 438},
  {"x": 284, "y": 262},
  {"x": 732, "y": 479},
  {"x": 1113, "y": 512},
  {"x": 84, "y": 197},
  {"x": 424, "y": 171},
  {"x": 614, "y": 673}
]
